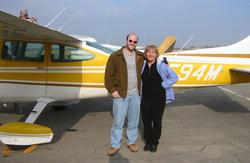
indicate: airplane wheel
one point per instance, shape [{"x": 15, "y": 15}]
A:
[
  {"x": 17, "y": 147},
  {"x": 58, "y": 107}
]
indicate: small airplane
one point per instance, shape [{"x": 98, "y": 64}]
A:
[{"x": 46, "y": 66}]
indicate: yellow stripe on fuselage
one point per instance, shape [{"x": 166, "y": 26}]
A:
[
  {"x": 191, "y": 74},
  {"x": 211, "y": 55}
]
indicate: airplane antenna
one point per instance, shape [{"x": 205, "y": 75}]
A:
[
  {"x": 66, "y": 23},
  {"x": 51, "y": 21},
  {"x": 148, "y": 39},
  {"x": 185, "y": 44},
  {"x": 107, "y": 42}
]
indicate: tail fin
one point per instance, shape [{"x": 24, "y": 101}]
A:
[{"x": 167, "y": 45}]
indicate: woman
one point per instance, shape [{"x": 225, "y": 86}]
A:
[{"x": 157, "y": 81}]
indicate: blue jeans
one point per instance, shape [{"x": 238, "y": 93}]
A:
[{"x": 122, "y": 107}]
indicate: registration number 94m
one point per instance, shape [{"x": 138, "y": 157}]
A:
[{"x": 203, "y": 72}]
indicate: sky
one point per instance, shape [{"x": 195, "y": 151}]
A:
[{"x": 210, "y": 22}]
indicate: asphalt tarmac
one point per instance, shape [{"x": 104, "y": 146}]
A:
[{"x": 206, "y": 125}]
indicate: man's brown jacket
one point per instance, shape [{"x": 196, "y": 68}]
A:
[{"x": 116, "y": 76}]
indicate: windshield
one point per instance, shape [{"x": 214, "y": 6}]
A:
[{"x": 100, "y": 47}]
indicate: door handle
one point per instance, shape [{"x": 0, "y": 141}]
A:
[{"x": 40, "y": 68}]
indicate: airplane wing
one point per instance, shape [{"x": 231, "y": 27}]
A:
[{"x": 12, "y": 27}]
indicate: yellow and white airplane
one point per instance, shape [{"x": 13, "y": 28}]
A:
[{"x": 46, "y": 66}]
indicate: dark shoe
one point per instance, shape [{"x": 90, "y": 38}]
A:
[
  {"x": 147, "y": 147},
  {"x": 153, "y": 148}
]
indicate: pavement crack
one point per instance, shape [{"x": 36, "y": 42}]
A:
[
  {"x": 243, "y": 149},
  {"x": 203, "y": 148},
  {"x": 238, "y": 159}
]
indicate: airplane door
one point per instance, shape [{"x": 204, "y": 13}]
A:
[
  {"x": 65, "y": 72},
  {"x": 23, "y": 67}
]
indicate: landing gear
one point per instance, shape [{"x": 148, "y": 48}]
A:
[
  {"x": 17, "y": 147},
  {"x": 26, "y": 135},
  {"x": 39, "y": 107}
]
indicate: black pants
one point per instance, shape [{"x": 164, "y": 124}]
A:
[{"x": 152, "y": 109}]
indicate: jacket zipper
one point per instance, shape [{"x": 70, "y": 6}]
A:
[{"x": 123, "y": 58}]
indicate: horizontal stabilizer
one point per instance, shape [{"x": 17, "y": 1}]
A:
[
  {"x": 167, "y": 45},
  {"x": 243, "y": 70},
  {"x": 240, "y": 75}
]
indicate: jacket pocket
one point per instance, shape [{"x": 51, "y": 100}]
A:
[{"x": 117, "y": 83}]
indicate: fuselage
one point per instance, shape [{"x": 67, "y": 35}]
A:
[{"x": 63, "y": 72}]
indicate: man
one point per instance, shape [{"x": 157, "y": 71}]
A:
[
  {"x": 123, "y": 82},
  {"x": 25, "y": 16}
]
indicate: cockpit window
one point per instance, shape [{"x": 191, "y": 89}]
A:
[
  {"x": 63, "y": 53},
  {"x": 100, "y": 47},
  {"x": 14, "y": 50}
]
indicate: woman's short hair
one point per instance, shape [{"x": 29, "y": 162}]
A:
[{"x": 153, "y": 47}]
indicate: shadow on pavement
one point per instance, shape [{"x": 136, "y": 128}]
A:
[
  {"x": 118, "y": 158},
  {"x": 63, "y": 120},
  {"x": 212, "y": 98}
]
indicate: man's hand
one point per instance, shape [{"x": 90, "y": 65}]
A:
[{"x": 115, "y": 94}]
